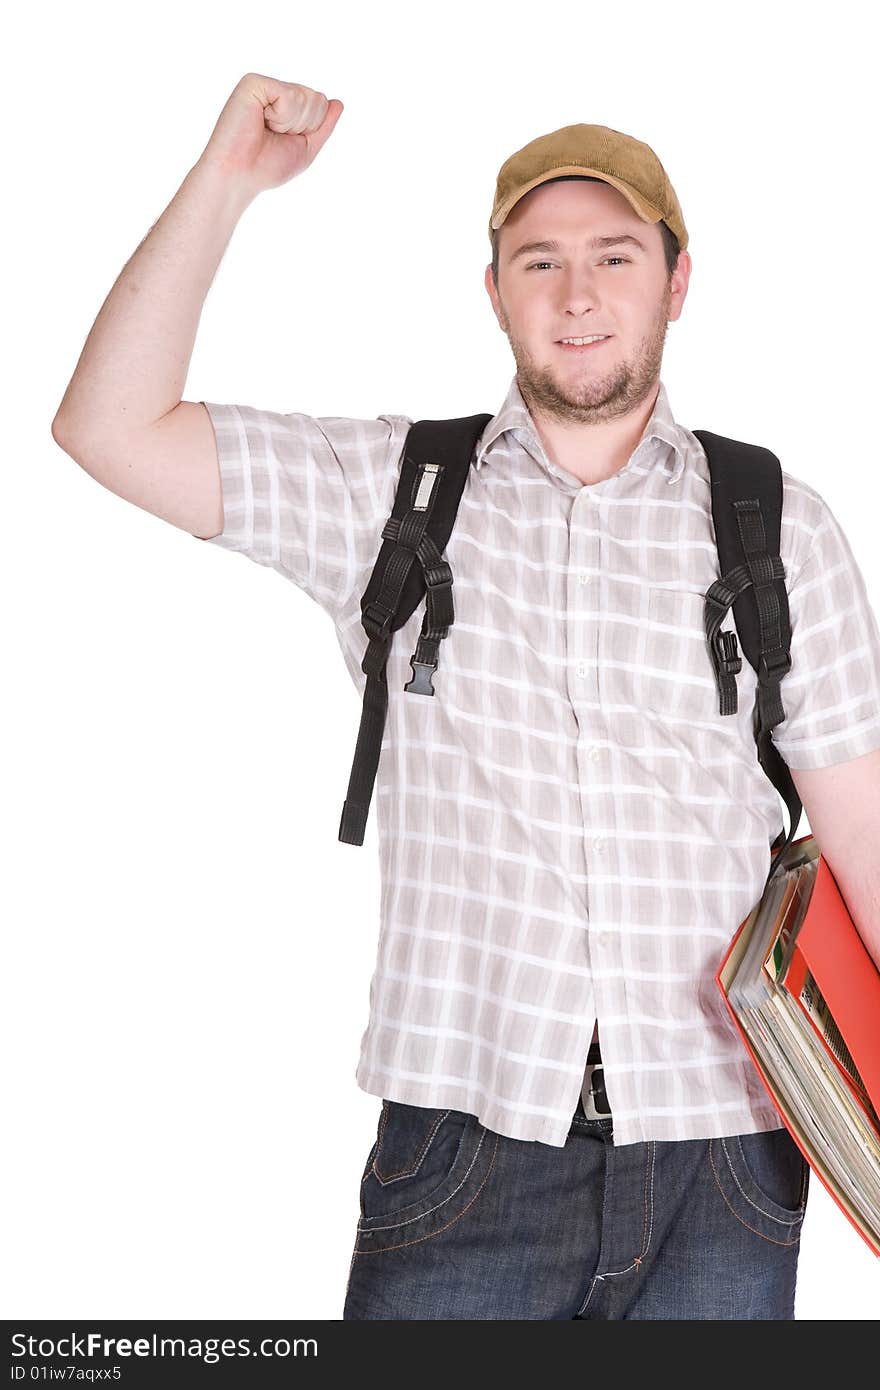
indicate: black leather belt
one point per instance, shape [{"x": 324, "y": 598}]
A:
[{"x": 593, "y": 1102}]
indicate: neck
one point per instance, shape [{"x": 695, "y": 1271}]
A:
[{"x": 593, "y": 452}]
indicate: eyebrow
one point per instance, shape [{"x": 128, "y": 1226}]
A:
[{"x": 597, "y": 243}]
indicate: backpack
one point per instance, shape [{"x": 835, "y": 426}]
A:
[{"x": 746, "y": 493}]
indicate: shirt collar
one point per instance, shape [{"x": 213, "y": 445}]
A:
[{"x": 515, "y": 416}]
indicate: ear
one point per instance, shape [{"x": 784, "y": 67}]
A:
[
  {"x": 493, "y": 295},
  {"x": 679, "y": 285}
]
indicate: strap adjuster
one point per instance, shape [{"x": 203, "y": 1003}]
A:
[
  {"x": 727, "y": 658},
  {"x": 774, "y": 665},
  {"x": 377, "y": 620},
  {"x": 438, "y": 576}
]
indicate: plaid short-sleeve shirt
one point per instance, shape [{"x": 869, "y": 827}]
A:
[{"x": 569, "y": 832}]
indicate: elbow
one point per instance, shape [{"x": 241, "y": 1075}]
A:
[
  {"x": 67, "y": 437},
  {"x": 70, "y": 442},
  {"x": 58, "y": 432}
]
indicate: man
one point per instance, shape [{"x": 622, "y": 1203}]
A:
[{"x": 569, "y": 831}]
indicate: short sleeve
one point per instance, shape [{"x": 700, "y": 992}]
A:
[
  {"x": 305, "y": 495},
  {"x": 831, "y": 695}
]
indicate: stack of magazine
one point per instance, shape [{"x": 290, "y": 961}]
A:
[{"x": 804, "y": 994}]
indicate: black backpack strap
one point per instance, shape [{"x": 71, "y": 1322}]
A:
[
  {"x": 435, "y": 463},
  {"x": 746, "y": 488}
]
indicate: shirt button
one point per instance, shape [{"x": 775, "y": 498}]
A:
[
  {"x": 599, "y": 842},
  {"x": 604, "y": 938},
  {"x": 594, "y": 754},
  {"x": 582, "y": 668},
  {"x": 583, "y": 577}
]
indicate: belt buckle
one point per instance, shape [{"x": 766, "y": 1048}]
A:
[{"x": 593, "y": 1094}]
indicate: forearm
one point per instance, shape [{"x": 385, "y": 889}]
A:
[
  {"x": 856, "y": 871},
  {"x": 134, "y": 364},
  {"x": 864, "y": 906}
]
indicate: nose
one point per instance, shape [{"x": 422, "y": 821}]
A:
[{"x": 580, "y": 296}]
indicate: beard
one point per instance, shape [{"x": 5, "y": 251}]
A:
[{"x": 593, "y": 395}]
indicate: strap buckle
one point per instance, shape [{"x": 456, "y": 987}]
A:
[
  {"x": 727, "y": 658},
  {"x": 377, "y": 620},
  {"x": 439, "y": 575},
  {"x": 774, "y": 665},
  {"x": 422, "y": 671}
]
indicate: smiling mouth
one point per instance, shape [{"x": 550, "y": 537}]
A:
[{"x": 584, "y": 347}]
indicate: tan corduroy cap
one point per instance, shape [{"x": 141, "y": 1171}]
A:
[{"x": 626, "y": 163}]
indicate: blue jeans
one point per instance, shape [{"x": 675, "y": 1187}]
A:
[{"x": 458, "y": 1221}]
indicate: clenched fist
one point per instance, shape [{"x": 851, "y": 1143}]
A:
[{"x": 269, "y": 131}]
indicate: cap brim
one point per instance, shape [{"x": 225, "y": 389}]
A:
[{"x": 645, "y": 210}]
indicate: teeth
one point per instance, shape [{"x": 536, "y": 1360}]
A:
[{"x": 579, "y": 342}]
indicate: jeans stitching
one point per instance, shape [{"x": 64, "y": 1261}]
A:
[
  {"x": 584, "y": 1305},
  {"x": 404, "y": 1172},
  {"x": 648, "y": 1227},
  {"x": 393, "y": 1225},
  {"x": 783, "y": 1220},
  {"x": 754, "y": 1229},
  {"x": 647, "y": 1231},
  {"x": 429, "y": 1235},
  {"x": 585, "y": 1122}
]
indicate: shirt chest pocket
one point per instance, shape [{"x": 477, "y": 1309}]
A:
[{"x": 672, "y": 675}]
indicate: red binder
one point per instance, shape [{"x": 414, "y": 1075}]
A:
[{"x": 830, "y": 971}]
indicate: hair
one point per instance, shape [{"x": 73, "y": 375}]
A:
[{"x": 670, "y": 240}]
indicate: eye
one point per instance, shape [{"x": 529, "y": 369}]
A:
[{"x": 536, "y": 265}]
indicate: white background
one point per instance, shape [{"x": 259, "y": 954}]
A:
[{"x": 187, "y": 945}]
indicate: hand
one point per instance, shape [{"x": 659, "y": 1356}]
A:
[{"x": 270, "y": 131}]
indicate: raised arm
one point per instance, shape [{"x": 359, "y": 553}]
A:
[{"x": 122, "y": 418}]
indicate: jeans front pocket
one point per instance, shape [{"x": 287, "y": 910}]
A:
[
  {"x": 414, "y": 1157},
  {"x": 427, "y": 1168},
  {"x": 764, "y": 1179}
]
